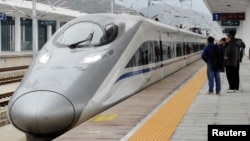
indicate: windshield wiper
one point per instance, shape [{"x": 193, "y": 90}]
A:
[{"x": 89, "y": 39}]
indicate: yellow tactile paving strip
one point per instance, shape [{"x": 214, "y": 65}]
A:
[
  {"x": 162, "y": 125},
  {"x": 102, "y": 117}
]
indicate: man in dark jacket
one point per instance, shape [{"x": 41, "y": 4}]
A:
[
  {"x": 218, "y": 55},
  {"x": 211, "y": 74},
  {"x": 240, "y": 45},
  {"x": 231, "y": 55}
]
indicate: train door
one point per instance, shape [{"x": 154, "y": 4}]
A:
[
  {"x": 166, "y": 48},
  {"x": 161, "y": 54},
  {"x": 175, "y": 41},
  {"x": 147, "y": 54},
  {"x": 182, "y": 45}
]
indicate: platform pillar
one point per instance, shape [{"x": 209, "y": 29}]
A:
[
  {"x": 34, "y": 30},
  {"x": 17, "y": 33},
  {"x": 49, "y": 32},
  {"x": 58, "y": 25},
  {"x": 23, "y": 34}
]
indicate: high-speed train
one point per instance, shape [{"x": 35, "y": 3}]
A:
[{"x": 92, "y": 63}]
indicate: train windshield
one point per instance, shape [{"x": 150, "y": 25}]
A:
[{"x": 81, "y": 35}]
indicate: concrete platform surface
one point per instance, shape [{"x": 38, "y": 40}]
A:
[
  {"x": 9, "y": 133},
  {"x": 227, "y": 109}
]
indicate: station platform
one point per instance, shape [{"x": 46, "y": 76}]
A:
[
  {"x": 9, "y": 133},
  {"x": 14, "y": 54},
  {"x": 181, "y": 115},
  {"x": 14, "y": 60}
]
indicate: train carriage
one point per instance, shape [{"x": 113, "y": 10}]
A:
[{"x": 92, "y": 63}]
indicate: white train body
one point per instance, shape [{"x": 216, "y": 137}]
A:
[{"x": 72, "y": 79}]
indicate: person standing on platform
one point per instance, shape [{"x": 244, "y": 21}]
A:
[
  {"x": 211, "y": 73},
  {"x": 231, "y": 54},
  {"x": 240, "y": 49},
  {"x": 223, "y": 43},
  {"x": 221, "y": 51}
]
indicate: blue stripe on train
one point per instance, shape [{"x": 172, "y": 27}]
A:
[{"x": 133, "y": 73}]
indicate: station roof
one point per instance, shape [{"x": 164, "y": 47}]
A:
[
  {"x": 227, "y": 6},
  {"x": 46, "y": 12},
  {"x": 188, "y": 18},
  {"x": 87, "y": 6}
]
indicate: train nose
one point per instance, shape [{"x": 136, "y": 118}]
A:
[{"x": 42, "y": 112}]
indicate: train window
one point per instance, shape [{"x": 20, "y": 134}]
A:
[
  {"x": 145, "y": 53},
  {"x": 184, "y": 48},
  {"x": 111, "y": 32},
  {"x": 131, "y": 63},
  {"x": 143, "y": 56},
  {"x": 168, "y": 51},
  {"x": 195, "y": 47},
  {"x": 150, "y": 49},
  {"x": 134, "y": 61},
  {"x": 82, "y": 34},
  {"x": 191, "y": 46},
  {"x": 178, "y": 50},
  {"x": 202, "y": 46},
  {"x": 158, "y": 52},
  {"x": 188, "y": 48}
]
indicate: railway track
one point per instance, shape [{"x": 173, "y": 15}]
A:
[
  {"x": 9, "y": 76},
  {"x": 13, "y": 68},
  {"x": 9, "y": 80},
  {"x": 4, "y": 98}
]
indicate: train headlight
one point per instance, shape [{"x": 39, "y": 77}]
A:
[
  {"x": 91, "y": 58},
  {"x": 94, "y": 57},
  {"x": 45, "y": 58}
]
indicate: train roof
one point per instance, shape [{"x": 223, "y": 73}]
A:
[
  {"x": 174, "y": 29},
  {"x": 104, "y": 19}
]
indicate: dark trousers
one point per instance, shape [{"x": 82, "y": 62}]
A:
[
  {"x": 237, "y": 78},
  {"x": 231, "y": 73}
]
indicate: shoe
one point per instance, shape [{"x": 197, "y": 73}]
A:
[
  {"x": 219, "y": 94},
  {"x": 231, "y": 91}
]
